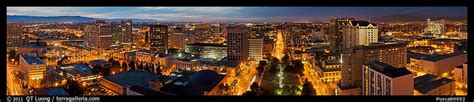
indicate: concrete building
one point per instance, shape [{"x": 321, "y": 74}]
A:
[
  {"x": 442, "y": 65},
  {"x": 98, "y": 35},
  {"x": 144, "y": 56},
  {"x": 330, "y": 71},
  {"x": 394, "y": 54},
  {"x": 207, "y": 50},
  {"x": 359, "y": 33},
  {"x": 432, "y": 85},
  {"x": 460, "y": 75},
  {"x": 256, "y": 49},
  {"x": 33, "y": 68},
  {"x": 382, "y": 79},
  {"x": 159, "y": 38},
  {"x": 237, "y": 43}
]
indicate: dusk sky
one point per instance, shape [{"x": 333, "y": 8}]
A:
[{"x": 247, "y": 13}]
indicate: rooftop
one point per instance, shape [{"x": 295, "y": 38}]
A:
[
  {"x": 144, "y": 51},
  {"x": 362, "y": 23},
  {"x": 207, "y": 44},
  {"x": 148, "y": 91},
  {"x": 32, "y": 59},
  {"x": 428, "y": 82},
  {"x": 140, "y": 78},
  {"x": 387, "y": 69},
  {"x": 51, "y": 92},
  {"x": 441, "y": 57},
  {"x": 77, "y": 69},
  {"x": 195, "y": 84}
]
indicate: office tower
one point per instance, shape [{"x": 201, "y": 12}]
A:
[
  {"x": 256, "y": 49},
  {"x": 359, "y": 33},
  {"x": 394, "y": 54},
  {"x": 122, "y": 32},
  {"x": 338, "y": 25},
  {"x": 159, "y": 38},
  {"x": 98, "y": 35},
  {"x": 177, "y": 40},
  {"x": 237, "y": 43},
  {"x": 127, "y": 36},
  {"x": 436, "y": 28},
  {"x": 34, "y": 68},
  {"x": 382, "y": 79}
]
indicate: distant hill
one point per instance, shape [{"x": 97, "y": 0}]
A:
[{"x": 42, "y": 19}]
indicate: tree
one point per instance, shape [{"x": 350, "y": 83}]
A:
[
  {"x": 12, "y": 54},
  {"x": 73, "y": 88},
  {"x": 132, "y": 65},
  {"x": 299, "y": 66},
  {"x": 145, "y": 67},
  {"x": 308, "y": 88},
  {"x": 254, "y": 87},
  {"x": 285, "y": 60},
  {"x": 140, "y": 66},
  {"x": 124, "y": 66}
]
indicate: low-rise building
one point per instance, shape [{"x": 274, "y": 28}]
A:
[
  {"x": 432, "y": 85},
  {"x": 80, "y": 73},
  {"x": 33, "y": 68}
]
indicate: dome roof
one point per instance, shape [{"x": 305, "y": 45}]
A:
[{"x": 205, "y": 77}]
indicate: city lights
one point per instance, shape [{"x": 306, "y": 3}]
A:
[{"x": 233, "y": 52}]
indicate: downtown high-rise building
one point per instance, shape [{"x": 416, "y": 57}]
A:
[
  {"x": 256, "y": 49},
  {"x": 237, "y": 43},
  {"x": 159, "y": 38},
  {"x": 337, "y": 25},
  {"x": 98, "y": 35},
  {"x": 436, "y": 28},
  {"x": 393, "y": 54},
  {"x": 359, "y": 33},
  {"x": 122, "y": 32}
]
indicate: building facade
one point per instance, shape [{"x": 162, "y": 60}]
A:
[
  {"x": 98, "y": 35},
  {"x": 394, "y": 54},
  {"x": 256, "y": 49},
  {"x": 34, "y": 69},
  {"x": 359, "y": 33},
  {"x": 382, "y": 79},
  {"x": 159, "y": 38},
  {"x": 237, "y": 43}
]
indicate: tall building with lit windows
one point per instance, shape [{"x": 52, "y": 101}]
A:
[
  {"x": 127, "y": 36},
  {"x": 237, "y": 43},
  {"x": 338, "y": 25},
  {"x": 159, "y": 38},
  {"x": 98, "y": 35},
  {"x": 256, "y": 49},
  {"x": 394, "y": 54},
  {"x": 436, "y": 28},
  {"x": 359, "y": 33},
  {"x": 382, "y": 79}
]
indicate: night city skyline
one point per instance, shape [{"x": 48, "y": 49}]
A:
[
  {"x": 237, "y": 51},
  {"x": 249, "y": 14}
]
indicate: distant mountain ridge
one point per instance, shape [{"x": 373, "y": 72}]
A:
[{"x": 53, "y": 19}]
